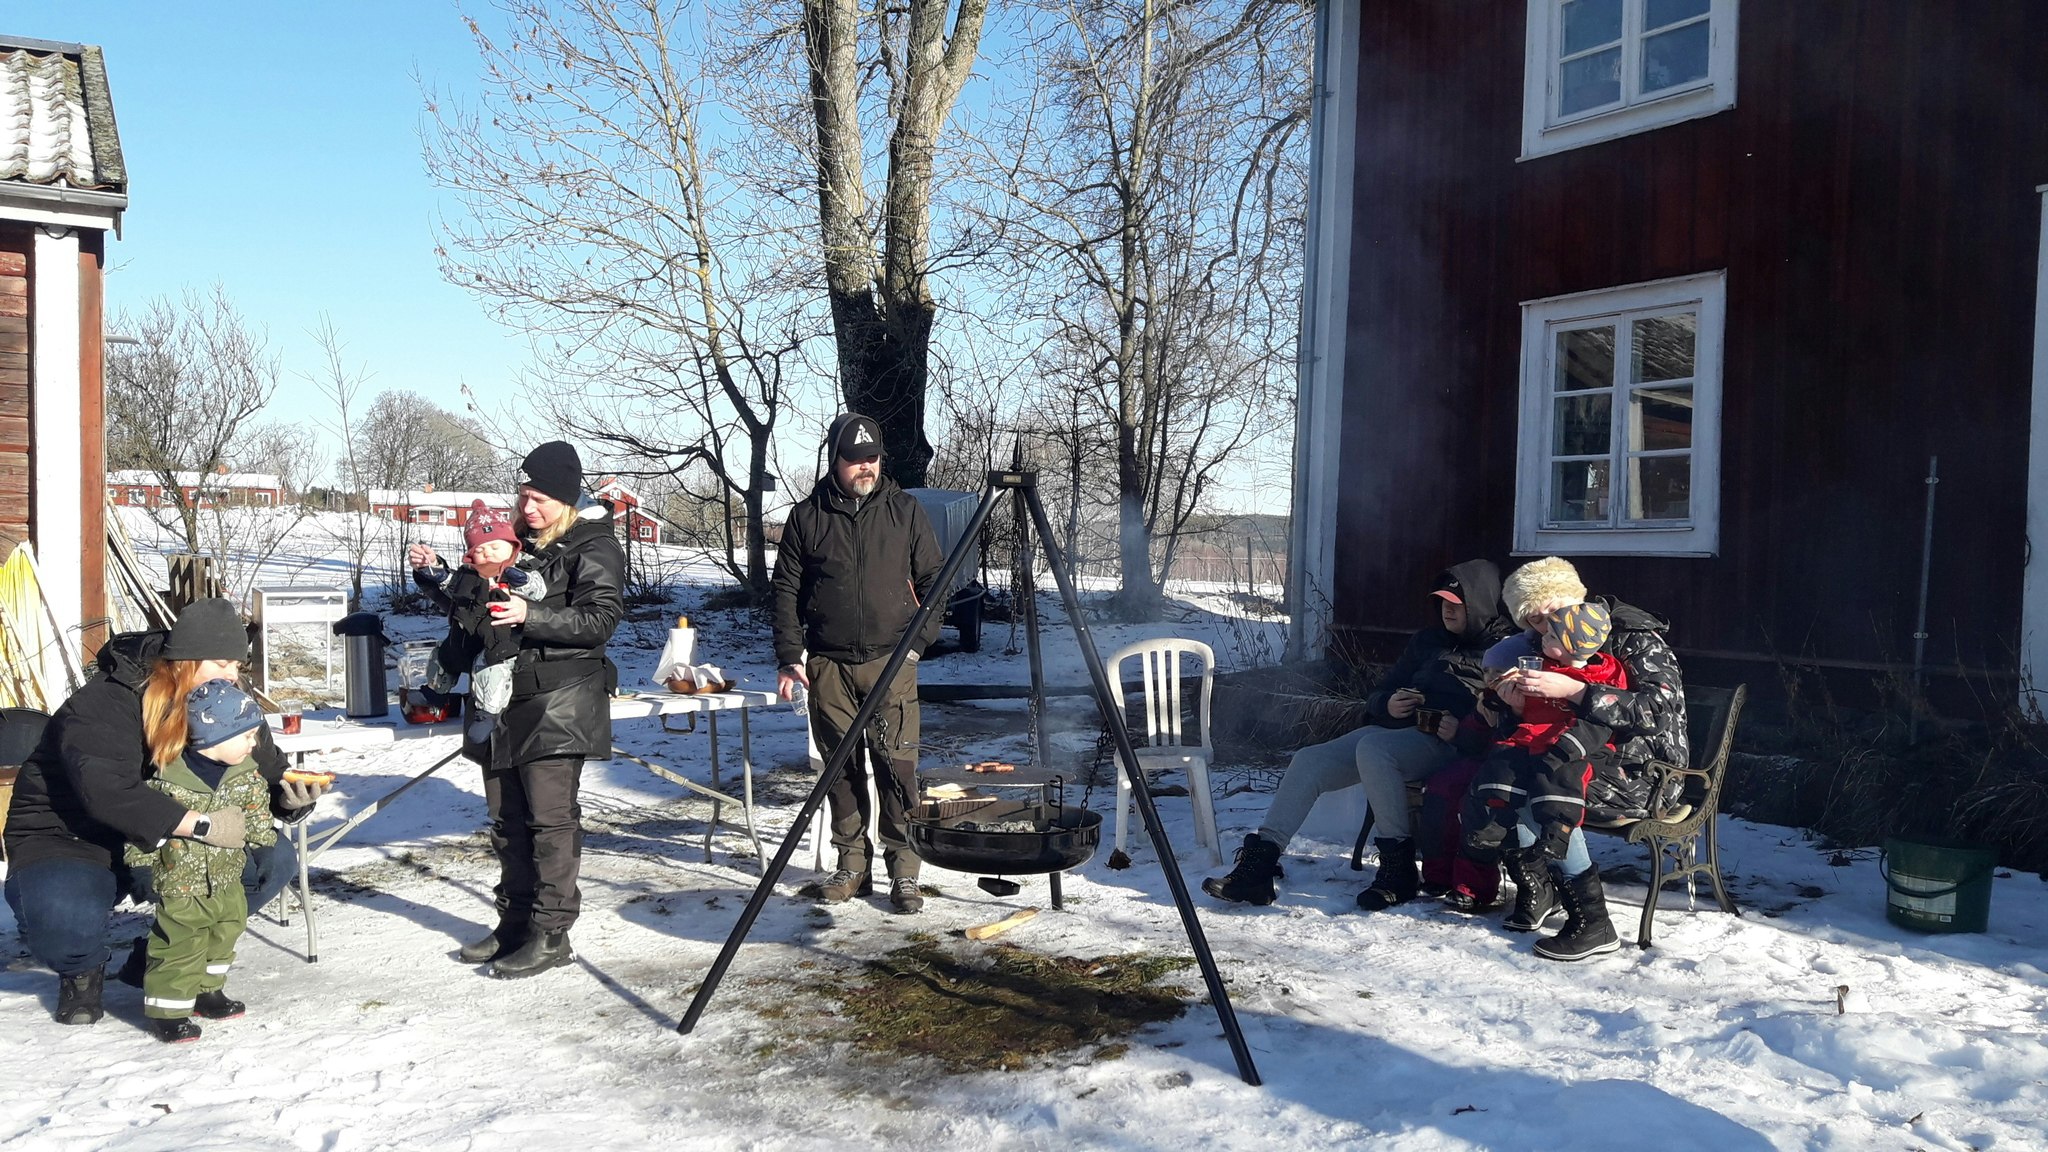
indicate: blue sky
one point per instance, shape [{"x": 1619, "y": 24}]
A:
[{"x": 274, "y": 147}]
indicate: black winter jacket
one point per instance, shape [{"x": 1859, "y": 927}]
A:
[
  {"x": 85, "y": 791},
  {"x": 1647, "y": 717},
  {"x": 1446, "y": 668},
  {"x": 562, "y": 681},
  {"x": 849, "y": 574}
]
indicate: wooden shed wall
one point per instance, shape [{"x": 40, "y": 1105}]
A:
[
  {"x": 1872, "y": 198},
  {"x": 14, "y": 410}
]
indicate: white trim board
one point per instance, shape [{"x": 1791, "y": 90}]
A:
[
  {"x": 57, "y": 415},
  {"x": 1319, "y": 402},
  {"x": 2034, "y": 577}
]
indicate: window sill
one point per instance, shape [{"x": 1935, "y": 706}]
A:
[{"x": 1677, "y": 108}]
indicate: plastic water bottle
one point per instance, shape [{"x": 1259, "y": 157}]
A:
[{"x": 800, "y": 699}]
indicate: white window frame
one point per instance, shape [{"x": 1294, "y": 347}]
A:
[
  {"x": 1697, "y": 535},
  {"x": 1545, "y": 132}
]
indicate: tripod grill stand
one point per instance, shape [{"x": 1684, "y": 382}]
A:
[{"x": 1024, "y": 487}]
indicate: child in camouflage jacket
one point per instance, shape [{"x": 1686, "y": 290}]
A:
[{"x": 201, "y": 906}]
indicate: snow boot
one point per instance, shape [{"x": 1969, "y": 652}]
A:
[
  {"x": 1250, "y": 880},
  {"x": 503, "y": 941},
  {"x": 904, "y": 895},
  {"x": 215, "y": 1005},
  {"x": 78, "y": 997},
  {"x": 1535, "y": 895},
  {"x": 1587, "y": 931},
  {"x": 1465, "y": 901},
  {"x": 1397, "y": 881},
  {"x": 136, "y": 966},
  {"x": 841, "y": 886},
  {"x": 537, "y": 955},
  {"x": 179, "y": 1031}
]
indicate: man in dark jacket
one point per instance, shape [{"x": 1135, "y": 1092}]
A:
[
  {"x": 84, "y": 793},
  {"x": 856, "y": 559},
  {"x": 1439, "y": 676}
]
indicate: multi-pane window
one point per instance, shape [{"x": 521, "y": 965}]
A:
[
  {"x": 1620, "y": 420},
  {"x": 1597, "y": 69}
]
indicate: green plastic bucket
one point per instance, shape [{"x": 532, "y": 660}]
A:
[{"x": 1937, "y": 885}]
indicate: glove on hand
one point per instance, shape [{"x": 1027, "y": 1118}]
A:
[
  {"x": 297, "y": 795},
  {"x": 1485, "y": 842},
  {"x": 229, "y": 829}
]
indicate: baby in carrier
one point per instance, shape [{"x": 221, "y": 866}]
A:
[{"x": 489, "y": 573}]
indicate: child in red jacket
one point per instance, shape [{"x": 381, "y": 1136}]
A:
[{"x": 1544, "y": 753}]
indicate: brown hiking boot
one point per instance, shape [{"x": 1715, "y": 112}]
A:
[
  {"x": 840, "y": 886},
  {"x": 904, "y": 895}
]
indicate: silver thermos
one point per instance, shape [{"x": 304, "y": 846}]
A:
[{"x": 362, "y": 652}]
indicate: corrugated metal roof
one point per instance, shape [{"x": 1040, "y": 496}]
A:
[{"x": 57, "y": 117}]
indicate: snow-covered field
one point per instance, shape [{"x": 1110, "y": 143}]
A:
[{"x": 1411, "y": 1029}]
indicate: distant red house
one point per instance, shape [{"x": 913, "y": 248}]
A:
[
  {"x": 641, "y": 526},
  {"x": 426, "y": 506},
  {"x": 140, "y": 488}
]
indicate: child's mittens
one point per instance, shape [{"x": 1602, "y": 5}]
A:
[
  {"x": 1485, "y": 840},
  {"x": 531, "y": 585},
  {"x": 1554, "y": 837},
  {"x": 228, "y": 828}
]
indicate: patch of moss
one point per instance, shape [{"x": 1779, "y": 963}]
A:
[{"x": 1003, "y": 1007}]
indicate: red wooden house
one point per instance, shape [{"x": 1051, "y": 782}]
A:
[
  {"x": 640, "y": 525},
  {"x": 138, "y": 488},
  {"x": 1689, "y": 291},
  {"x": 63, "y": 188},
  {"x": 427, "y": 506}
]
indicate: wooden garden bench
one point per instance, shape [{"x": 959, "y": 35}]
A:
[{"x": 1675, "y": 837}]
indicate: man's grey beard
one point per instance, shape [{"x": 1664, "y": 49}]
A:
[{"x": 861, "y": 487}]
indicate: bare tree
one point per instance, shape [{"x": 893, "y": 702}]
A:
[
  {"x": 181, "y": 400},
  {"x": 601, "y": 220},
  {"x": 288, "y": 450},
  {"x": 407, "y": 441},
  {"x": 1158, "y": 170},
  {"x": 882, "y": 304},
  {"x": 342, "y": 385}
]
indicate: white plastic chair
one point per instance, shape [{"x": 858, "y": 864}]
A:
[{"x": 1165, "y": 747}]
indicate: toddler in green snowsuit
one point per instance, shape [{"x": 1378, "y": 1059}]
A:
[{"x": 201, "y": 907}]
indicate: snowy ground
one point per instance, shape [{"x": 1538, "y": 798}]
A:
[{"x": 1412, "y": 1029}]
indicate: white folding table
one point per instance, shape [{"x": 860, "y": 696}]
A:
[{"x": 324, "y": 736}]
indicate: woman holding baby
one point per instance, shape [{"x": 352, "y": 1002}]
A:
[{"x": 558, "y": 713}]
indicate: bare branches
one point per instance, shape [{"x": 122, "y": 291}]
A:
[
  {"x": 181, "y": 400},
  {"x": 1156, "y": 170},
  {"x": 600, "y": 219}
]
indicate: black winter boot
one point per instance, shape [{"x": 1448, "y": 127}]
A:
[
  {"x": 78, "y": 997},
  {"x": 179, "y": 1031},
  {"x": 1250, "y": 880},
  {"x": 1587, "y": 931},
  {"x": 537, "y": 955},
  {"x": 503, "y": 941},
  {"x": 136, "y": 966},
  {"x": 1398, "y": 880},
  {"x": 1536, "y": 899},
  {"x": 215, "y": 1005}
]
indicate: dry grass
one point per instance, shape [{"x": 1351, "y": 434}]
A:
[{"x": 1002, "y": 1007}]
